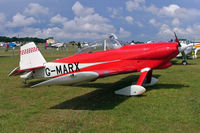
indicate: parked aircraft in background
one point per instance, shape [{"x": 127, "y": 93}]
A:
[
  {"x": 10, "y": 44},
  {"x": 196, "y": 46},
  {"x": 57, "y": 45},
  {"x": 84, "y": 44},
  {"x": 101, "y": 59},
  {"x": 188, "y": 50},
  {"x": 1, "y": 44},
  {"x": 192, "y": 49}
]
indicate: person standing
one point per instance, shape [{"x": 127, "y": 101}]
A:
[
  {"x": 6, "y": 47},
  {"x": 45, "y": 45},
  {"x": 79, "y": 46}
]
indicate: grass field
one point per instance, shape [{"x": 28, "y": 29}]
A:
[{"x": 172, "y": 105}]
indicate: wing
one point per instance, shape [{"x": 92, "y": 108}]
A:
[{"x": 71, "y": 79}]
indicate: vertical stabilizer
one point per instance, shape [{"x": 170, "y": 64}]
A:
[{"x": 30, "y": 57}]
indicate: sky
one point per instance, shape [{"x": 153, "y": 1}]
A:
[{"x": 89, "y": 20}]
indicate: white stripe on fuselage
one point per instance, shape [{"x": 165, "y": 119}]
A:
[{"x": 53, "y": 69}]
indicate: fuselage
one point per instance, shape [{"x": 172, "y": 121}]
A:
[{"x": 129, "y": 58}]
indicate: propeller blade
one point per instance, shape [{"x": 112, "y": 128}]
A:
[
  {"x": 180, "y": 48},
  {"x": 177, "y": 39}
]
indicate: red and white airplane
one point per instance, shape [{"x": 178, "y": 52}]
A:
[{"x": 101, "y": 59}]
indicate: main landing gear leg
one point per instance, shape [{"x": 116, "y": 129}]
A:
[
  {"x": 150, "y": 81},
  {"x": 145, "y": 79}
]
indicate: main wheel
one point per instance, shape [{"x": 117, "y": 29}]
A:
[{"x": 184, "y": 62}]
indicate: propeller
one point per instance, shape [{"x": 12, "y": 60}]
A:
[
  {"x": 181, "y": 50},
  {"x": 177, "y": 39}
]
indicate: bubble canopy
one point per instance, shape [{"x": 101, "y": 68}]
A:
[{"x": 102, "y": 45}]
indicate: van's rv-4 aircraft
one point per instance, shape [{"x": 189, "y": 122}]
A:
[{"x": 116, "y": 58}]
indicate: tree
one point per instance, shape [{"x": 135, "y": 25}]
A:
[{"x": 25, "y": 39}]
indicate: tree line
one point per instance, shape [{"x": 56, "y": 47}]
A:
[{"x": 24, "y": 39}]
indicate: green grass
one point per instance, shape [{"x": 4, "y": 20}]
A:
[{"x": 172, "y": 105}]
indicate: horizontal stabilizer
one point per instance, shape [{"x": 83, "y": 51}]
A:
[
  {"x": 14, "y": 72},
  {"x": 17, "y": 71}
]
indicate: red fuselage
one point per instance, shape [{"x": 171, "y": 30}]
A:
[{"x": 129, "y": 58}]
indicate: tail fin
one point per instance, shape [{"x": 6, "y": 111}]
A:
[{"x": 30, "y": 57}]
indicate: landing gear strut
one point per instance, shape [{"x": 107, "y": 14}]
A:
[
  {"x": 24, "y": 82},
  {"x": 145, "y": 79}
]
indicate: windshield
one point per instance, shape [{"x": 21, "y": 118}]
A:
[{"x": 102, "y": 45}]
